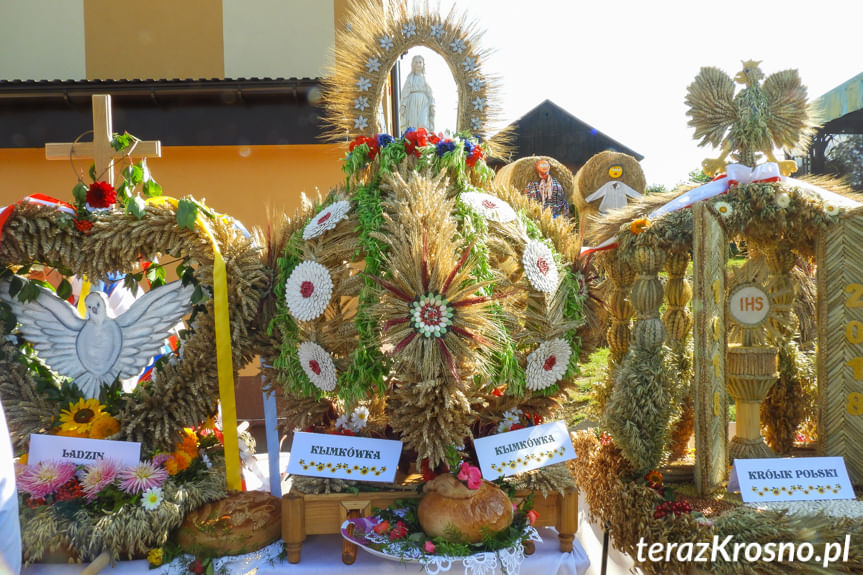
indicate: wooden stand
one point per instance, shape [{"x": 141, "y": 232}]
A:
[{"x": 305, "y": 514}]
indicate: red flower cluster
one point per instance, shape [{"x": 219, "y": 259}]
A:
[
  {"x": 196, "y": 567},
  {"x": 419, "y": 138},
  {"x": 397, "y": 531},
  {"x": 34, "y": 502},
  {"x": 372, "y": 143},
  {"x": 70, "y": 490},
  {"x": 101, "y": 195},
  {"x": 83, "y": 226},
  {"x": 532, "y": 516},
  {"x": 475, "y": 155},
  {"x": 668, "y": 507}
]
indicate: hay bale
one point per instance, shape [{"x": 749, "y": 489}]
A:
[{"x": 522, "y": 172}]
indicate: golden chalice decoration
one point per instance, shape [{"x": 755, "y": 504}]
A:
[{"x": 758, "y": 313}]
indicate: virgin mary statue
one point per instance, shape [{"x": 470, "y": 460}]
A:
[{"x": 417, "y": 102}]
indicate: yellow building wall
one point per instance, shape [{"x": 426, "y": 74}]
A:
[
  {"x": 155, "y": 39},
  {"x": 242, "y": 181}
]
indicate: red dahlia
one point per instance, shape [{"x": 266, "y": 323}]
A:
[{"x": 101, "y": 195}]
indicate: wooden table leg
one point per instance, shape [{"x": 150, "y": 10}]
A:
[
  {"x": 568, "y": 524},
  {"x": 293, "y": 525},
  {"x": 349, "y": 550}
]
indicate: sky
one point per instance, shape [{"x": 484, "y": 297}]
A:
[{"x": 623, "y": 66}]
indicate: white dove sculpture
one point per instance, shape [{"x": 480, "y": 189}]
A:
[{"x": 99, "y": 348}]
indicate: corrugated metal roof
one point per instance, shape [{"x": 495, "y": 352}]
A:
[{"x": 841, "y": 100}]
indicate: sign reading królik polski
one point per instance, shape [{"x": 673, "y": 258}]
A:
[
  {"x": 82, "y": 450},
  {"x": 523, "y": 449},
  {"x": 328, "y": 455},
  {"x": 791, "y": 479}
]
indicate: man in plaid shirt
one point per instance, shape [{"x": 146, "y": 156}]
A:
[{"x": 548, "y": 191}]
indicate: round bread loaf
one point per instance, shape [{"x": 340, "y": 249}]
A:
[
  {"x": 449, "y": 509},
  {"x": 240, "y": 523}
]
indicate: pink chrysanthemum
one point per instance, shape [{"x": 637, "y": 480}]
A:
[
  {"x": 45, "y": 478},
  {"x": 98, "y": 476},
  {"x": 142, "y": 477}
]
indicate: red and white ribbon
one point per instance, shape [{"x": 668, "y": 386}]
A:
[{"x": 736, "y": 174}]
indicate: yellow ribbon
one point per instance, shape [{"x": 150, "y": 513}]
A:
[
  {"x": 224, "y": 359},
  {"x": 85, "y": 289}
]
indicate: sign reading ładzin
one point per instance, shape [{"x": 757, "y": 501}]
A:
[{"x": 82, "y": 450}]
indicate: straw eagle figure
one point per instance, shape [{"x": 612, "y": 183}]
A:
[{"x": 760, "y": 117}]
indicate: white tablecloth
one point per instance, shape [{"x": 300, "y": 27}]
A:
[{"x": 322, "y": 555}]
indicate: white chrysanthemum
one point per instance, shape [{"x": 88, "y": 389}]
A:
[
  {"x": 547, "y": 364},
  {"x": 504, "y": 425},
  {"x": 490, "y": 207},
  {"x": 326, "y": 219},
  {"x": 359, "y": 418},
  {"x": 308, "y": 290},
  {"x": 318, "y": 365},
  {"x": 513, "y": 415},
  {"x": 783, "y": 200},
  {"x": 539, "y": 266},
  {"x": 723, "y": 209},
  {"x": 831, "y": 209},
  {"x": 342, "y": 421},
  {"x": 151, "y": 498}
]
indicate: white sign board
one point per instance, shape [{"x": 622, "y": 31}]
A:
[
  {"x": 749, "y": 304},
  {"x": 343, "y": 457},
  {"x": 81, "y": 450},
  {"x": 791, "y": 479},
  {"x": 524, "y": 449}
]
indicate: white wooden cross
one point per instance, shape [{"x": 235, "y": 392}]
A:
[{"x": 100, "y": 150}]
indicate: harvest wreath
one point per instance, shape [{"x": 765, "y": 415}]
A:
[
  {"x": 477, "y": 269},
  {"x": 181, "y": 391}
]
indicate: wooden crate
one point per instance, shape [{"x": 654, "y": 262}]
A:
[{"x": 305, "y": 514}]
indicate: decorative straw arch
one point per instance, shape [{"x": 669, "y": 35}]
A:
[{"x": 376, "y": 36}]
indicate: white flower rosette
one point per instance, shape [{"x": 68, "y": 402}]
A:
[
  {"x": 489, "y": 206},
  {"x": 308, "y": 290},
  {"x": 326, "y": 219},
  {"x": 318, "y": 365},
  {"x": 547, "y": 364},
  {"x": 539, "y": 266}
]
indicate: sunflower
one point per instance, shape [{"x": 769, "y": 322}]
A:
[{"x": 80, "y": 416}]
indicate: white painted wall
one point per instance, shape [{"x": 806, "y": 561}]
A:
[
  {"x": 277, "y": 38},
  {"x": 42, "y": 40}
]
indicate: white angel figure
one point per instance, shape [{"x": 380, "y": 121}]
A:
[{"x": 99, "y": 348}]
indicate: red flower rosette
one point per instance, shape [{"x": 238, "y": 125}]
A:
[{"x": 101, "y": 195}]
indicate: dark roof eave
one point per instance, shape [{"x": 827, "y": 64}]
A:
[{"x": 155, "y": 92}]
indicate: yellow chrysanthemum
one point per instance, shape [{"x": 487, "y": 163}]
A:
[
  {"x": 104, "y": 426},
  {"x": 154, "y": 557},
  {"x": 80, "y": 416}
]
